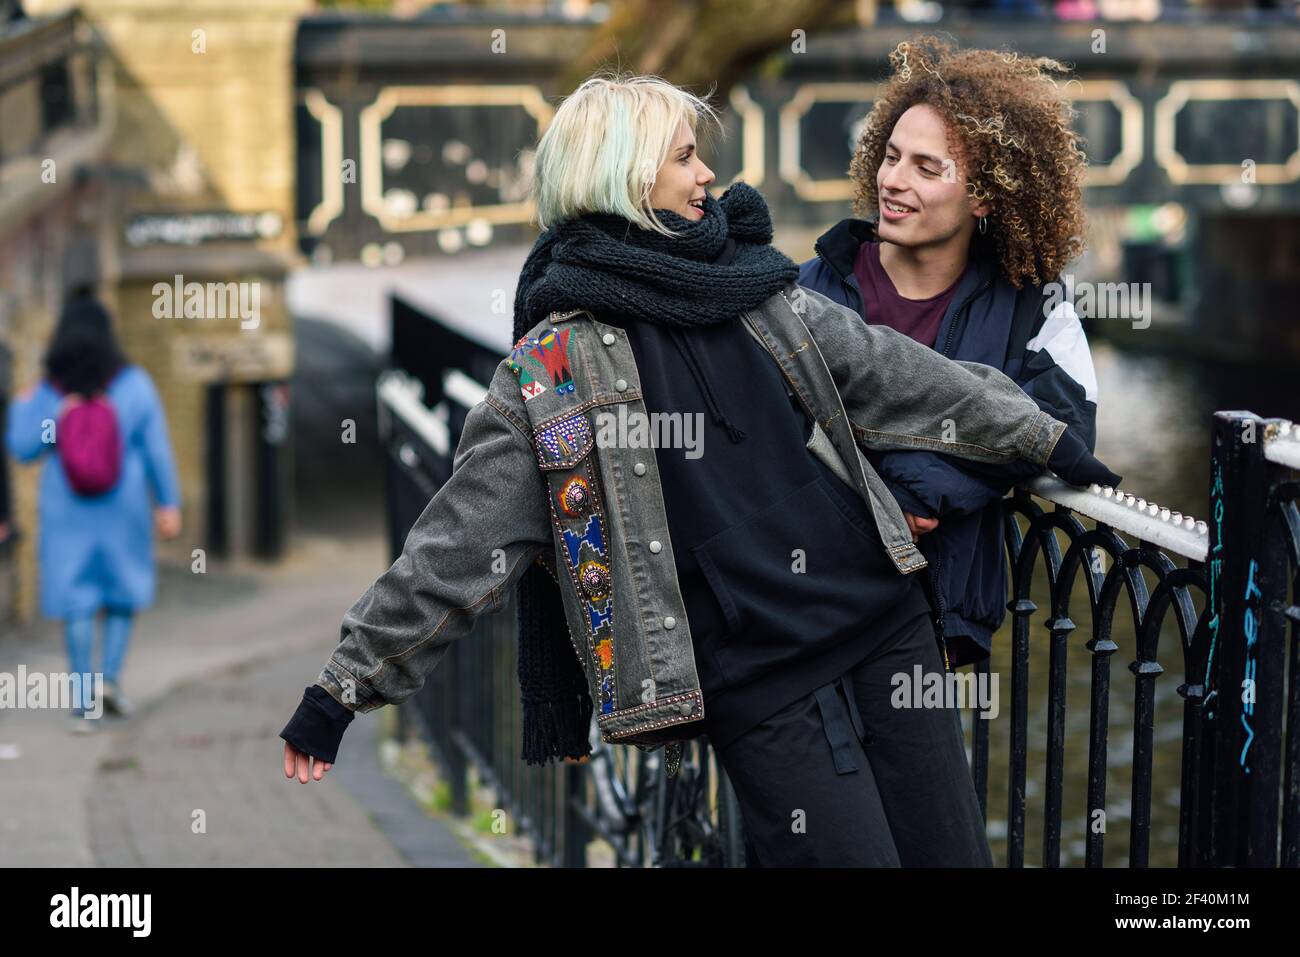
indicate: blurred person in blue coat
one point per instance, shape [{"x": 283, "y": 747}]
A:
[{"x": 96, "y": 550}]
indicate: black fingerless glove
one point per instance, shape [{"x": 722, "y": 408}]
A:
[
  {"x": 1072, "y": 461},
  {"x": 317, "y": 727}
]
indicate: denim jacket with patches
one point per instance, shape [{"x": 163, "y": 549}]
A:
[{"x": 530, "y": 482}]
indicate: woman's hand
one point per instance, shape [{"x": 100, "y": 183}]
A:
[
  {"x": 296, "y": 762},
  {"x": 168, "y": 521},
  {"x": 919, "y": 526}
]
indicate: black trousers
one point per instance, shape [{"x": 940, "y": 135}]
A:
[{"x": 842, "y": 778}]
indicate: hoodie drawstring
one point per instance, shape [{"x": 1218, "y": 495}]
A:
[{"x": 688, "y": 356}]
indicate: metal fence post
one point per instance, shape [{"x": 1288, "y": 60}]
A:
[
  {"x": 1244, "y": 675},
  {"x": 459, "y": 698},
  {"x": 576, "y": 831}
]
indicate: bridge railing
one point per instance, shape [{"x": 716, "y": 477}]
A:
[
  {"x": 1223, "y": 582},
  {"x": 1229, "y": 601},
  {"x": 1127, "y": 534}
]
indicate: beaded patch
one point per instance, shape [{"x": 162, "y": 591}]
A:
[
  {"x": 563, "y": 442},
  {"x": 594, "y": 577},
  {"x": 575, "y": 496}
]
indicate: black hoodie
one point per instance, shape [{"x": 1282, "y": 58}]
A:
[{"x": 785, "y": 581}]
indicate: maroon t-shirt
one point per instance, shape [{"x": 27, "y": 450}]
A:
[{"x": 918, "y": 318}]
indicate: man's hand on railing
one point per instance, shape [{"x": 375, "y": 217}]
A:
[{"x": 1072, "y": 461}]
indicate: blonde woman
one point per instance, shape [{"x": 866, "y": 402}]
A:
[{"x": 748, "y": 577}]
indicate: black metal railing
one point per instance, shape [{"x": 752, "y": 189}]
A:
[
  {"x": 1229, "y": 601},
  {"x": 1156, "y": 535},
  {"x": 1228, "y": 586}
]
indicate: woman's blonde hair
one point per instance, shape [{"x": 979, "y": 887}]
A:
[{"x": 604, "y": 147}]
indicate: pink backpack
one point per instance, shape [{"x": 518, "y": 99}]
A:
[{"x": 90, "y": 445}]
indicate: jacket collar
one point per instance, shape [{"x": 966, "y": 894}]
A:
[{"x": 838, "y": 246}]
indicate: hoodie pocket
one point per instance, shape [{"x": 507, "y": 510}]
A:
[{"x": 791, "y": 576}]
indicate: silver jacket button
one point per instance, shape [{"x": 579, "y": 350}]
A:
[
  {"x": 639, "y": 468},
  {"x": 621, "y": 385},
  {"x": 608, "y": 338},
  {"x": 670, "y": 622},
  {"x": 684, "y": 707},
  {"x": 656, "y": 548}
]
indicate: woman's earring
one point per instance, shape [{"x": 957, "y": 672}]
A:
[{"x": 984, "y": 225}]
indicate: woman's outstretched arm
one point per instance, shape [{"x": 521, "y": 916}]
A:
[{"x": 472, "y": 542}]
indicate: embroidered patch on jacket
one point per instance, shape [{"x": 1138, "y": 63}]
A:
[
  {"x": 592, "y": 536},
  {"x": 560, "y": 440},
  {"x": 589, "y": 571},
  {"x": 552, "y": 350},
  {"x": 607, "y": 694},
  {"x": 542, "y": 362},
  {"x": 530, "y": 371},
  {"x": 575, "y": 496},
  {"x": 605, "y": 654}
]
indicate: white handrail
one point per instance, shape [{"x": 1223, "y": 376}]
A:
[
  {"x": 402, "y": 394},
  {"x": 1283, "y": 445},
  {"x": 459, "y": 387},
  {"x": 1129, "y": 514}
]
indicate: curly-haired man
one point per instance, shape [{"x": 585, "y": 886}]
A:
[{"x": 971, "y": 175}]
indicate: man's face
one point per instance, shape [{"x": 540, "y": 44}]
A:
[{"x": 921, "y": 186}]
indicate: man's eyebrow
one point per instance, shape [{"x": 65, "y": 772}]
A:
[{"x": 924, "y": 157}]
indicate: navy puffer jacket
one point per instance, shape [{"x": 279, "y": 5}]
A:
[{"x": 1042, "y": 349}]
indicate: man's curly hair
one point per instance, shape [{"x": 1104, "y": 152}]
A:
[{"x": 1014, "y": 140}]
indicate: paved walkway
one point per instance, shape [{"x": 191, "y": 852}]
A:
[{"x": 194, "y": 778}]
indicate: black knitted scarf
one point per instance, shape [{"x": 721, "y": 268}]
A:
[{"x": 608, "y": 264}]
